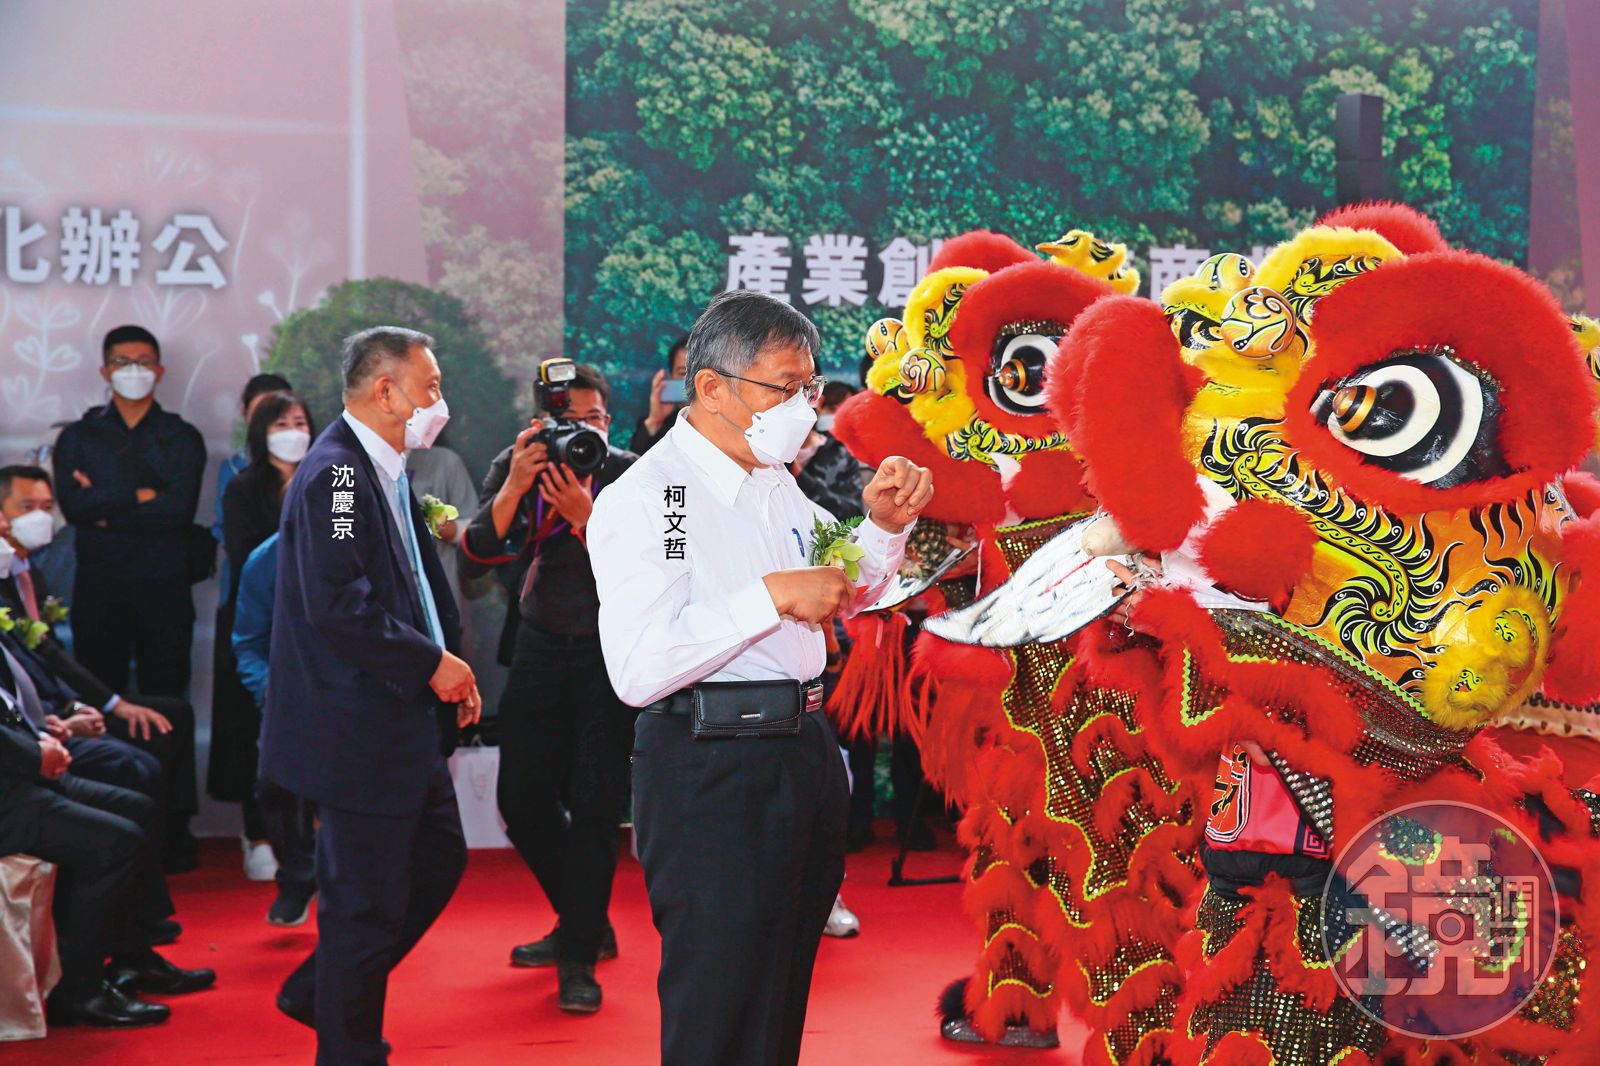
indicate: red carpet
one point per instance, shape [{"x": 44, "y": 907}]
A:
[{"x": 456, "y": 1000}]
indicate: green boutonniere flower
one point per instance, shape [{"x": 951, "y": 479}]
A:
[
  {"x": 831, "y": 546},
  {"x": 26, "y": 629},
  {"x": 32, "y": 632},
  {"x": 53, "y": 611},
  {"x": 436, "y": 512}
]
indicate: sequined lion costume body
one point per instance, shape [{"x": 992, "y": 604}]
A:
[
  {"x": 1032, "y": 741},
  {"x": 1365, "y": 435}
]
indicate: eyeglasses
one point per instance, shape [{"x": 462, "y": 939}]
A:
[
  {"x": 811, "y": 388},
  {"x": 121, "y": 361}
]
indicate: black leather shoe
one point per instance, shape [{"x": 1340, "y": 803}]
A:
[
  {"x": 164, "y": 932},
  {"x": 580, "y": 992},
  {"x": 543, "y": 952},
  {"x": 152, "y": 973},
  {"x": 105, "y": 1006},
  {"x": 306, "y": 1015}
]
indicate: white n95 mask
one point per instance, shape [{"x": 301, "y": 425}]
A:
[
  {"x": 776, "y": 434},
  {"x": 133, "y": 382},
  {"x": 288, "y": 445},
  {"x": 34, "y": 529},
  {"x": 425, "y": 425}
]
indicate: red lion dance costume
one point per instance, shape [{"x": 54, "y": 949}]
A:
[
  {"x": 1071, "y": 824},
  {"x": 1365, "y": 440}
]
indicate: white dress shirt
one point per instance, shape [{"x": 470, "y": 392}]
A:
[
  {"x": 668, "y": 622},
  {"x": 389, "y": 463}
]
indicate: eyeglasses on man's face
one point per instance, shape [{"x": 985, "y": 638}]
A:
[
  {"x": 811, "y": 388},
  {"x": 117, "y": 362}
]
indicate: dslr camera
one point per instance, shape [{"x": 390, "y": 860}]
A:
[{"x": 570, "y": 443}]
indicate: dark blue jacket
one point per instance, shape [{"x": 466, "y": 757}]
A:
[
  {"x": 252, "y": 618},
  {"x": 350, "y": 721}
]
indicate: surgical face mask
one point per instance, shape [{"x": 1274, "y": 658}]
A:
[
  {"x": 425, "y": 423},
  {"x": 825, "y": 422},
  {"x": 33, "y": 529},
  {"x": 776, "y": 434},
  {"x": 7, "y": 554},
  {"x": 289, "y": 445},
  {"x": 133, "y": 382}
]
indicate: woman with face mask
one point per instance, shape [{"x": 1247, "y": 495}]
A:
[{"x": 276, "y": 438}]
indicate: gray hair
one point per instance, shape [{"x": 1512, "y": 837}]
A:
[
  {"x": 368, "y": 352},
  {"x": 737, "y": 326}
]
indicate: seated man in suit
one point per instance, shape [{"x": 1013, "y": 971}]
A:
[
  {"x": 164, "y": 729},
  {"x": 98, "y": 835},
  {"x": 367, "y": 691}
]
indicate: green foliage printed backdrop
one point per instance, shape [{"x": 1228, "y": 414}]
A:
[{"x": 1153, "y": 122}]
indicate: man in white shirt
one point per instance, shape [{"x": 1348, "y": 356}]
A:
[{"x": 701, "y": 559}]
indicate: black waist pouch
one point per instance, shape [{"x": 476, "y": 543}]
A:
[{"x": 722, "y": 709}]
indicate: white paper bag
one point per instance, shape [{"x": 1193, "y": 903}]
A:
[{"x": 475, "y": 772}]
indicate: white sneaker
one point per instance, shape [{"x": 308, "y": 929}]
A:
[
  {"x": 259, "y": 862},
  {"x": 841, "y": 923}
]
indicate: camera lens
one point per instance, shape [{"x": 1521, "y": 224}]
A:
[{"x": 584, "y": 451}]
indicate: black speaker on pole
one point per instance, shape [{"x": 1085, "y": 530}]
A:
[{"x": 1358, "y": 148}]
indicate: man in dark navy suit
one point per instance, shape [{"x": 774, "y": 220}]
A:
[{"x": 366, "y": 691}]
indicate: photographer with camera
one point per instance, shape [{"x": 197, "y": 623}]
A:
[{"x": 565, "y": 737}]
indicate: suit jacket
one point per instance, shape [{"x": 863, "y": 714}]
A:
[
  {"x": 19, "y": 749},
  {"x": 54, "y": 694},
  {"x": 55, "y": 658},
  {"x": 350, "y": 721}
]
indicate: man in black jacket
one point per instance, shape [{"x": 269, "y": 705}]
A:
[
  {"x": 98, "y": 835},
  {"x": 128, "y": 475},
  {"x": 565, "y": 738}
]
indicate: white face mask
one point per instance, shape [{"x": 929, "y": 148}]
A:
[
  {"x": 776, "y": 434},
  {"x": 289, "y": 445},
  {"x": 133, "y": 382},
  {"x": 425, "y": 424},
  {"x": 825, "y": 422},
  {"x": 34, "y": 529},
  {"x": 7, "y": 554}
]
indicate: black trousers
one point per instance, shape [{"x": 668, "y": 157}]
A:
[
  {"x": 150, "y": 622},
  {"x": 113, "y": 761},
  {"x": 290, "y": 826},
  {"x": 176, "y": 793},
  {"x": 563, "y": 786},
  {"x": 97, "y": 835},
  {"x": 383, "y": 880},
  {"x": 743, "y": 848}
]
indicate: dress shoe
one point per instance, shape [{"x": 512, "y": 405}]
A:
[
  {"x": 164, "y": 932},
  {"x": 543, "y": 952},
  {"x": 306, "y": 1015},
  {"x": 149, "y": 972},
  {"x": 842, "y": 922},
  {"x": 102, "y": 1005},
  {"x": 580, "y": 992}
]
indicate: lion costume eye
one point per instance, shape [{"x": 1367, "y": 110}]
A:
[
  {"x": 1420, "y": 414},
  {"x": 1016, "y": 371}
]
